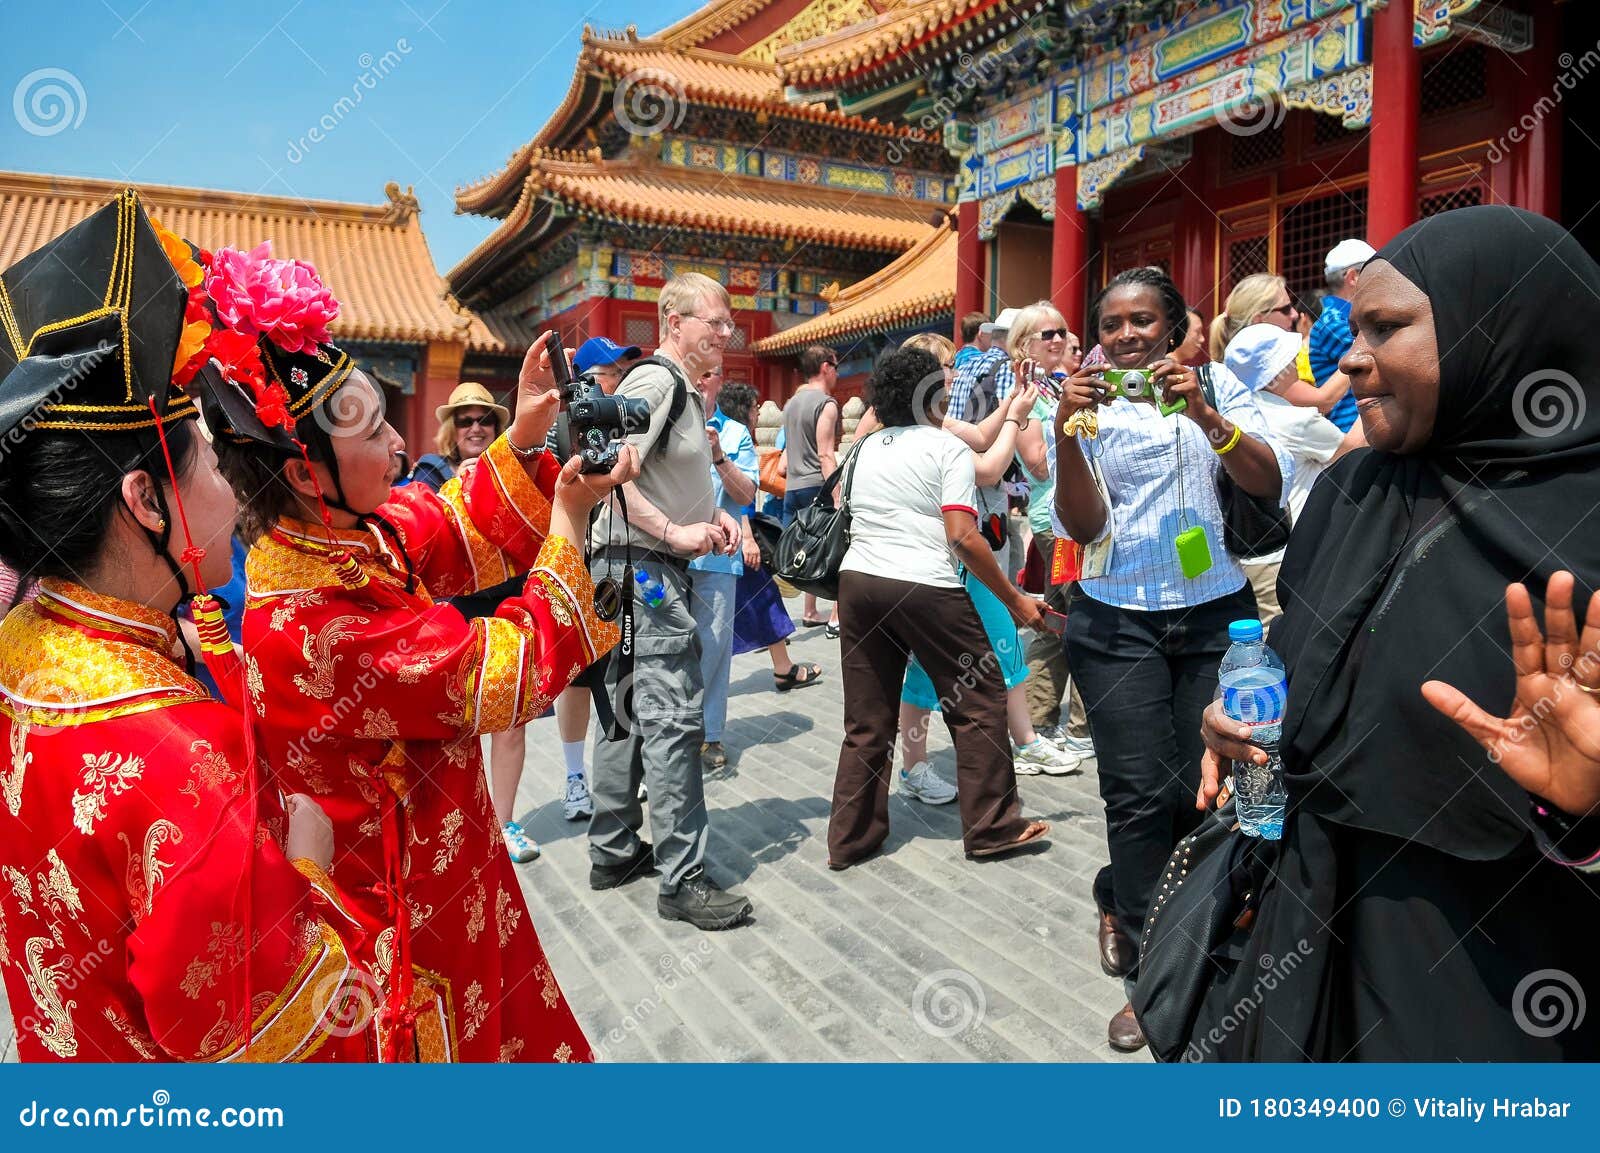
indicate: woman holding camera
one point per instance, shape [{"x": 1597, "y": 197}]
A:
[{"x": 1147, "y": 629}]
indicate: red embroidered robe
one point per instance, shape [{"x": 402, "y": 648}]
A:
[
  {"x": 373, "y": 699},
  {"x": 125, "y": 842}
]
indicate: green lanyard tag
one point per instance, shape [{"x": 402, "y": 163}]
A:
[{"x": 1194, "y": 551}]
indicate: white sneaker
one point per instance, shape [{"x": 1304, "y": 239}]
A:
[
  {"x": 522, "y": 847},
  {"x": 1057, "y": 735},
  {"x": 577, "y": 806},
  {"x": 927, "y": 786},
  {"x": 1043, "y": 757}
]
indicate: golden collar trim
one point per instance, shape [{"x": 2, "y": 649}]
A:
[{"x": 136, "y": 623}]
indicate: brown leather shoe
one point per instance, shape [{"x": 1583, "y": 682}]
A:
[
  {"x": 1117, "y": 951},
  {"x": 1124, "y": 1032}
]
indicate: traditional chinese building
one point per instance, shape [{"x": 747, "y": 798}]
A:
[
  {"x": 1215, "y": 138},
  {"x": 679, "y": 152},
  {"x": 393, "y": 315}
]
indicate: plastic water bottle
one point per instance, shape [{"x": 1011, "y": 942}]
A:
[
  {"x": 1254, "y": 690},
  {"x": 651, "y": 591}
]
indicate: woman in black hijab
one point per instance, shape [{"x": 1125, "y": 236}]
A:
[{"x": 1425, "y": 922}]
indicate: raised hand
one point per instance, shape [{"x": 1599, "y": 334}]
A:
[
  {"x": 538, "y": 394},
  {"x": 1550, "y": 744}
]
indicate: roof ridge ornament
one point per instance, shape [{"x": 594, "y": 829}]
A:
[{"x": 402, "y": 205}]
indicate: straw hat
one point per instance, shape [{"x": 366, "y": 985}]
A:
[{"x": 470, "y": 393}]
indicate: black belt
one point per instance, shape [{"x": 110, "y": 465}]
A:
[{"x": 623, "y": 553}]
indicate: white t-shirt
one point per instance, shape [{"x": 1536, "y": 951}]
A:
[
  {"x": 1307, "y": 436},
  {"x": 904, "y": 480}
]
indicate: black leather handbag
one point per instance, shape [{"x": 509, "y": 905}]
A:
[
  {"x": 1253, "y": 526},
  {"x": 1195, "y": 928},
  {"x": 812, "y": 548},
  {"x": 767, "y": 531}
]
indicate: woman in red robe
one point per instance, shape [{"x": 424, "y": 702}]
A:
[
  {"x": 372, "y": 697},
  {"x": 149, "y": 906}
]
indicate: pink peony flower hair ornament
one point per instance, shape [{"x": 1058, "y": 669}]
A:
[{"x": 283, "y": 300}]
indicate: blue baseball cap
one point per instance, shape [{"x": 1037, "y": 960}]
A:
[{"x": 601, "y": 350}]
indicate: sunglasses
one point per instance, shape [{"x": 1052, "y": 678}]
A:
[
  {"x": 1052, "y": 334},
  {"x": 487, "y": 420},
  {"x": 1286, "y": 309}
]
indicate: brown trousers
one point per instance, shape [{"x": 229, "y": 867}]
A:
[{"x": 883, "y": 622}]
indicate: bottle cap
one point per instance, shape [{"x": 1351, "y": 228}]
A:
[{"x": 1244, "y": 632}]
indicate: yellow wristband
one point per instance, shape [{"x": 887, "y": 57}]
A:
[{"x": 1232, "y": 441}]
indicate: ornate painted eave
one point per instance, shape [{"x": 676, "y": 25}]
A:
[
  {"x": 916, "y": 287},
  {"x": 649, "y": 85}
]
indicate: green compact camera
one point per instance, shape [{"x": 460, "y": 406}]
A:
[{"x": 1137, "y": 385}]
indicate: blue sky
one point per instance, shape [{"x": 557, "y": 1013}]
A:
[{"x": 225, "y": 94}]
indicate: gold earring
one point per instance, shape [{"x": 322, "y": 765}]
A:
[{"x": 161, "y": 525}]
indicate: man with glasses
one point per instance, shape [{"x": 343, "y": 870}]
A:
[
  {"x": 672, "y": 517},
  {"x": 811, "y": 432}
]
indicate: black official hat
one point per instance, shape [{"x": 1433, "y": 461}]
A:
[{"x": 89, "y": 328}]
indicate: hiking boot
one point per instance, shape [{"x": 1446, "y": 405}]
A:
[
  {"x": 702, "y": 903},
  {"x": 642, "y": 864}
]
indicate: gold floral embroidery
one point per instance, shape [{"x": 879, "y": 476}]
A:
[
  {"x": 21, "y": 886},
  {"x": 55, "y": 1032},
  {"x": 210, "y": 772},
  {"x": 456, "y": 688},
  {"x": 306, "y": 767},
  {"x": 140, "y": 1043},
  {"x": 475, "y": 912},
  {"x": 563, "y": 1053},
  {"x": 377, "y": 725},
  {"x": 106, "y": 774},
  {"x": 548, "y": 989},
  {"x": 475, "y": 1008},
  {"x": 511, "y": 1050},
  {"x": 506, "y": 916},
  {"x": 417, "y": 668},
  {"x": 11, "y": 779},
  {"x": 225, "y": 1034},
  {"x": 319, "y": 654},
  {"x": 256, "y": 684},
  {"x": 451, "y": 838},
  {"x": 144, "y": 868},
  {"x": 5, "y": 950},
  {"x": 58, "y": 893},
  {"x": 459, "y": 751},
  {"x": 226, "y": 948},
  {"x": 284, "y": 612}
]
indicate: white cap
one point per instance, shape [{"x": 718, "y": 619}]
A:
[
  {"x": 1347, "y": 254},
  {"x": 1259, "y": 353},
  {"x": 1001, "y": 323}
]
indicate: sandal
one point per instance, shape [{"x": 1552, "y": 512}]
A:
[
  {"x": 832, "y": 632},
  {"x": 793, "y": 679},
  {"x": 1034, "y": 832},
  {"x": 808, "y": 623}
]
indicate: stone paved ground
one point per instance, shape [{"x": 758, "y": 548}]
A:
[{"x": 917, "y": 955}]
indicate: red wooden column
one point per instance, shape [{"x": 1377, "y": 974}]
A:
[
  {"x": 970, "y": 263},
  {"x": 1392, "y": 147},
  {"x": 1538, "y": 183},
  {"x": 1069, "y": 252}
]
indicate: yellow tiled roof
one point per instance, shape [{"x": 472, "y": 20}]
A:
[
  {"x": 828, "y": 59},
  {"x": 648, "y": 193},
  {"x": 918, "y": 285},
  {"x": 373, "y": 257},
  {"x": 657, "y": 82}
]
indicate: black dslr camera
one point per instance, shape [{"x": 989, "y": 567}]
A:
[{"x": 594, "y": 422}]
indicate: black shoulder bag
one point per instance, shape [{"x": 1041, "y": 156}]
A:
[
  {"x": 812, "y": 548},
  {"x": 1253, "y": 526}
]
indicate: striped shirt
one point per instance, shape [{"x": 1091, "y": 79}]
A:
[
  {"x": 962, "y": 384},
  {"x": 1137, "y": 451},
  {"x": 1330, "y": 339}
]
